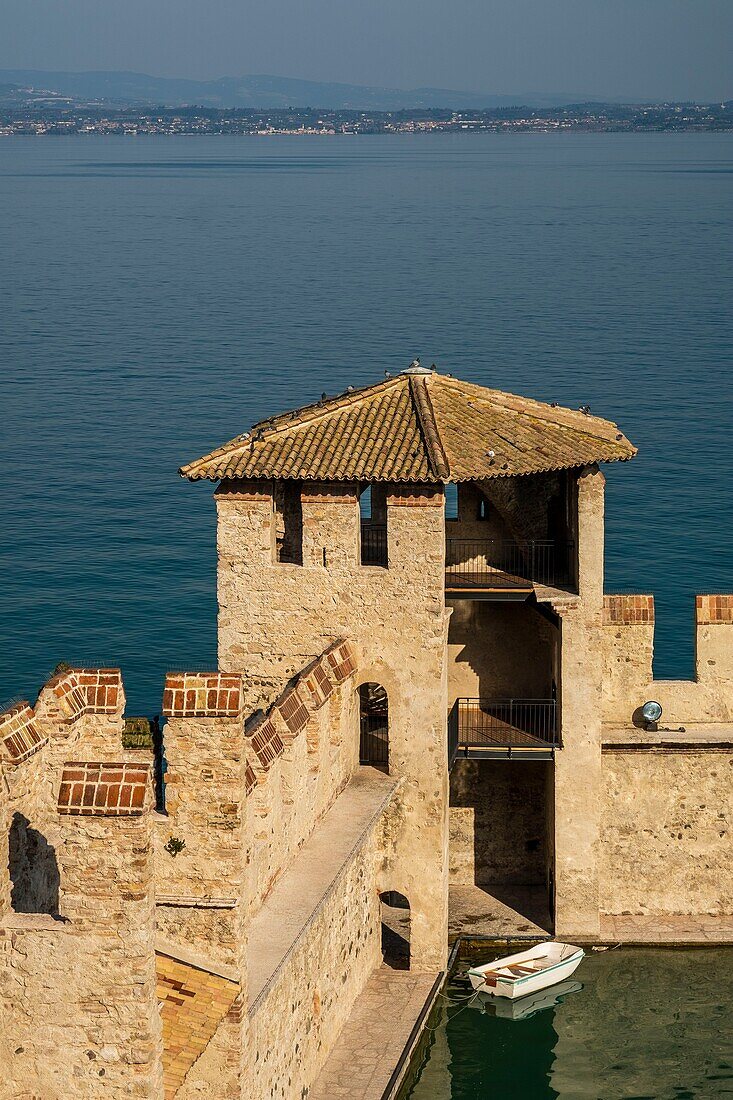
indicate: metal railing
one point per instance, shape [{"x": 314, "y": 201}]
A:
[
  {"x": 483, "y": 562},
  {"x": 486, "y": 724},
  {"x": 374, "y": 740},
  {"x": 373, "y": 543}
]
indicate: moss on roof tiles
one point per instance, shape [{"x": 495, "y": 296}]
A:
[{"x": 417, "y": 427}]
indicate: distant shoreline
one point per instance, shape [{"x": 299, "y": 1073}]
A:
[{"x": 62, "y": 119}]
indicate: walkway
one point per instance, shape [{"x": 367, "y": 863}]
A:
[
  {"x": 306, "y": 882},
  {"x": 500, "y": 913},
  {"x": 374, "y": 1036},
  {"x": 667, "y": 928}
]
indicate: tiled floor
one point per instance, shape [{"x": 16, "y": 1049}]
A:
[
  {"x": 373, "y": 1038},
  {"x": 192, "y": 1004}
]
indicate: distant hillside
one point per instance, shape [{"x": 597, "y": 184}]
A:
[{"x": 260, "y": 91}]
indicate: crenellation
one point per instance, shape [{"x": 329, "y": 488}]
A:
[
  {"x": 628, "y": 653},
  {"x": 19, "y": 735}
]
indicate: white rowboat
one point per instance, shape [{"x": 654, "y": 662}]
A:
[
  {"x": 529, "y": 971},
  {"x": 524, "y": 1007}
]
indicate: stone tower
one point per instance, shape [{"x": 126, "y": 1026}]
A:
[{"x": 332, "y": 523}]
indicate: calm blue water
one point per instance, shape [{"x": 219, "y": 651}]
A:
[
  {"x": 160, "y": 294},
  {"x": 637, "y": 1024}
]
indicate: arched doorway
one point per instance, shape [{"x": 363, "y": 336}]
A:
[
  {"x": 395, "y": 930},
  {"x": 373, "y": 726}
]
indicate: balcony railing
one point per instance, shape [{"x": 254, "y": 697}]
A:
[
  {"x": 373, "y": 543},
  {"x": 486, "y": 727},
  {"x": 504, "y": 563}
]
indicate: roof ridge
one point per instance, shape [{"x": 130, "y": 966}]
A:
[{"x": 428, "y": 426}]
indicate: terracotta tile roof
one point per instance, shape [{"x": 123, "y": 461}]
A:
[
  {"x": 417, "y": 427},
  {"x": 192, "y": 1005}
]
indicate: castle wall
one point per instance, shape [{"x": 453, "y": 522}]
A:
[
  {"x": 77, "y": 988},
  {"x": 628, "y": 650},
  {"x": 577, "y": 789},
  {"x": 667, "y": 793},
  {"x": 299, "y": 779},
  {"x": 275, "y": 617},
  {"x": 667, "y": 821},
  {"x": 201, "y": 890}
]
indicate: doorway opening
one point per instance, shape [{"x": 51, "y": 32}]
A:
[
  {"x": 395, "y": 930},
  {"x": 374, "y": 726}
]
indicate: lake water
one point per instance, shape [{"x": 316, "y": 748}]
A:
[
  {"x": 639, "y": 1024},
  {"x": 160, "y": 294}
]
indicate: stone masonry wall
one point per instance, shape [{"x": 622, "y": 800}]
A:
[
  {"x": 201, "y": 890},
  {"x": 274, "y": 618},
  {"x": 577, "y": 793},
  {"x": 77, "y": 924},
  {"x": 667, "y": 826},
  {"x": 78, "y": 987},
  {"x": 499, "y": 651},
  {"x": 498, "y": 822},
  {"x": 295, "y": 1022},
  {"x": 300, "y": 769}
]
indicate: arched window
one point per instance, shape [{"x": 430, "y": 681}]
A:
[
  {"x": 34, "y": 872},
  {"x": 373, "y": 726},
  {"x": 395, "y": 930}
]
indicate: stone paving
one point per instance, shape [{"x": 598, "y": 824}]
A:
[
  {"x": 374, "y": 1036},
  {"x": 505, "y": 912},
  {"x": 667, "y": 928}
]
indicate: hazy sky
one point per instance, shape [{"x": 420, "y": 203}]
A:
[{"x": 637, "y": 48}]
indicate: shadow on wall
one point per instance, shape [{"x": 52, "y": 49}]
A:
[{"x": 34, "y": 871}]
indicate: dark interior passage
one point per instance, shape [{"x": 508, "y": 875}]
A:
[
  {"x": 501, "y": 834},
  {"x": 395, "y": 930}
]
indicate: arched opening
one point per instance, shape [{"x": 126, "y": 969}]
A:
[
  {"x": 373, "y": 525},
  {"x": 34, "y": 872},
  {"x": 395, "y": 930},
  {"x": 288, "y": 524},
  {"x": 373, "y": 726}
]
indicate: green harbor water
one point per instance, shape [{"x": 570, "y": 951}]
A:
[{"x": 633, "y": 1023}]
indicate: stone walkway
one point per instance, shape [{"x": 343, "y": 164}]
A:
[
  {"x": 306, "y": 882},
  {"x": 374, "y": 1036},
  {"x": 667, "y": 928},
  {"x": 504, "y": 913}
]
